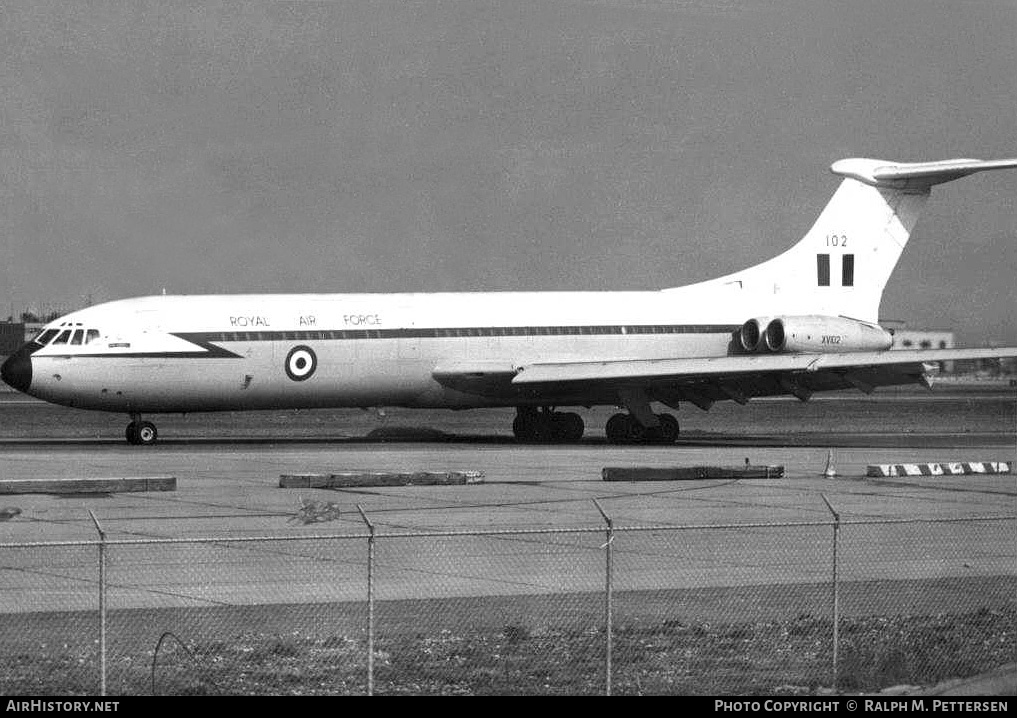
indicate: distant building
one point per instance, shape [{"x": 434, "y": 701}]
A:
[
  {"x": 926, "y": 339},
  {"x": 942, "y": 339},
  {"x": 12, "y": 336},
  {"x": 923, "y": 339},
  {"x": 32, "y": 329}
]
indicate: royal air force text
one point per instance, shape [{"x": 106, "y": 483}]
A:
[{"x": 308, "y": 320}]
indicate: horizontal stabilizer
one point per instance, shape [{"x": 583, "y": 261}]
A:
[{"x": 917, "y": 176}]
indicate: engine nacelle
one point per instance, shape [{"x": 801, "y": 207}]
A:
[
  {"x": 817, "y": 333},
  {"x": 751, "y": 334}
]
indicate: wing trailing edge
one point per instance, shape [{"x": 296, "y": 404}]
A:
[{"x": 691, "y": 369}]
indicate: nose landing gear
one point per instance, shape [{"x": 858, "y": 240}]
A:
[{"x": 141, "y": 433}]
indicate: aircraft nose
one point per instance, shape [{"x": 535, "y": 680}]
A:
[{"x": 17, "y": 370}]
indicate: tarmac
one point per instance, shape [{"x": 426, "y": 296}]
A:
[{"x": 228, "y": 486}]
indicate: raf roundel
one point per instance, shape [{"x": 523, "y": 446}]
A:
[{"x": 301, "y": 363}]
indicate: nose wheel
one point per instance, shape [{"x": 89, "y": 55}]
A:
[{"x": 141, "y": 433}]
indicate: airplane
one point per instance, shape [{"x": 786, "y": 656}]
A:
[{"x": 803, "y": 322}]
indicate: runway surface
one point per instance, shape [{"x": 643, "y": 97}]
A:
[{"x": 228, "y": 471}]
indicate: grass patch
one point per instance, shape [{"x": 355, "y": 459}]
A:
[{"x": 660, "y": 657}]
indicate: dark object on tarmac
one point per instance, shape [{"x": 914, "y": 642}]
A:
[
  {"x": 690, "y": 473},
  {"x": 317, "y": 511},
  {"x": 406, "y": 433},
  {"x": 347, "y": 479},
  {"x": 88, "y": 486}
]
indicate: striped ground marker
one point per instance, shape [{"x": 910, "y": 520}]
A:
[{"x": 944, "y": 469}]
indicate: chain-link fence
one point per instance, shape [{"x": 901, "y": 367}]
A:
[{"x": 789, "y": 608}]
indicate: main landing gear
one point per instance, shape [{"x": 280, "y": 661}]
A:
[
  {"x": 141, "y": 433},
  {"x": 547, "y": 426},
  {"x": 626, "y": 429}
]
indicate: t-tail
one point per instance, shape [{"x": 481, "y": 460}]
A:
[{"x": 841, "y": 266}]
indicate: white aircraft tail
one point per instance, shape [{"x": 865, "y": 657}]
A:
[{"x": 844, "y": 261}]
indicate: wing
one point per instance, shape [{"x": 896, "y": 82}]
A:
[{"x": 703, "y": 381}]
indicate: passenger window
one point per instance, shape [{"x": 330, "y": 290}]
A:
[
  {"x": 64, "y": 336},
  {"x": 79, "y": 335},
  {"x": 91, "y": 336}
]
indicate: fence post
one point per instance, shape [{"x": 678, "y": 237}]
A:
[
  {"x": 102, "y": 604},
  {"x": 836, "y": 592},
  {"x": 370, "y": 601},
  {"x": 607, "y": 596}
]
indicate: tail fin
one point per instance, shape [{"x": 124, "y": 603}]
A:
[{"x": 843, "y": 263}]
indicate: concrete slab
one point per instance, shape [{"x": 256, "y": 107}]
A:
[
  {"x": 690, "y": 473},
  {"x": 88, "y": 486},
  {"x": 959, "y": 468},
  {"x": 350, "y": 479}
]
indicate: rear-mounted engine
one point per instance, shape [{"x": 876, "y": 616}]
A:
[
  {"x": 751, "y": 334},
  {"x": 814, "y": 333}
]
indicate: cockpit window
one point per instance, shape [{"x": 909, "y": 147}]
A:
[
  {"x": 79, "y": 335},
  {"x": 64, "y": 336},
  {"x": 45, "y": 337},
  {"x": 91, "y": 336}
]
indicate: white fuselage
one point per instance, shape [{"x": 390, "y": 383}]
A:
[
  {"x": 212, "y": 353},
  {"x": 818, "y": 298}
]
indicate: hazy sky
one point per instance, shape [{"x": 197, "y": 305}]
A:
[{"x": 491, "y": 144}]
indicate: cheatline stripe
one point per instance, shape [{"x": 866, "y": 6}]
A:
[
  {"x": 208, "y": 340},
  {"x": 457, "y": 332}
]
